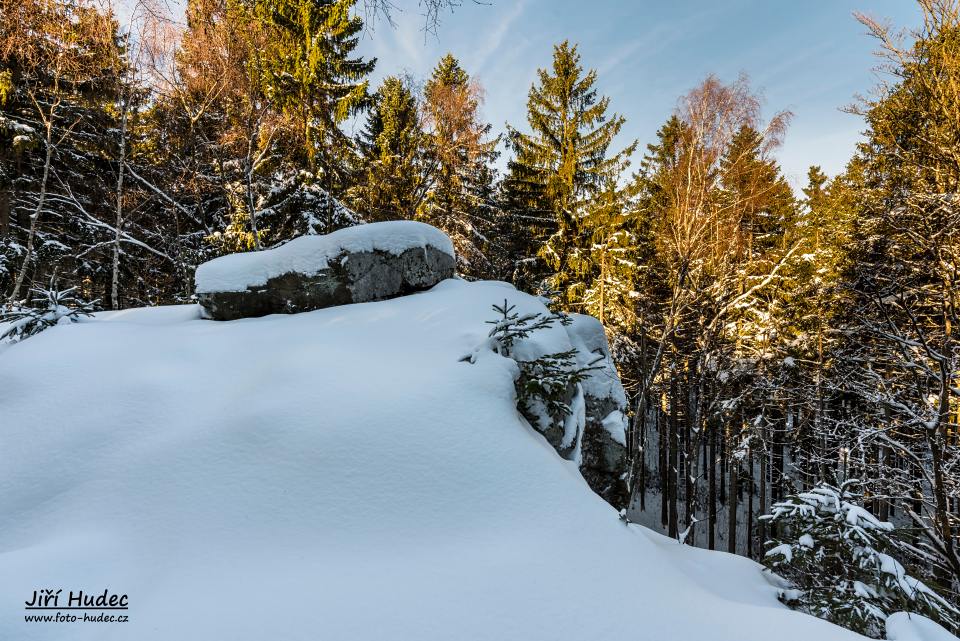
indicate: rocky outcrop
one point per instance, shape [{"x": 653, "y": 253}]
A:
[
  {"x": 593, "y": 432},
  {"x": 385, "y": 260},
  {"x": 353, "y": 265}
]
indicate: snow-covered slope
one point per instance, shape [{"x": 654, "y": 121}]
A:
[{"x": 337, "y": 474}]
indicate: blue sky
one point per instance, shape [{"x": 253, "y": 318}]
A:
[{"x": 810, "y": 57}]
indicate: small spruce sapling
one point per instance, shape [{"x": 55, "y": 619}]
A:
[
  {"x": 544, "y": 381},
  {"x": 841, "y": 562},
  {"x": 512, "y": 327},
  {"x": 23, "y": 321},
  {"x": 547, "y": 380}
]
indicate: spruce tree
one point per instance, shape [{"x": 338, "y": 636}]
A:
[
  {"x": 900, "y": 361},
  {"x": 252, "y": 127},
  {"x": 562, "y": 165},
  {"x": 610, "y": 264},
  {"x": 308, "y": 68},
  {"x": 391, "y": 181},
  {"x": 754, "y": 185},
  {"x": 59, "y": 64},
  {"x": 844, "y": 564}
]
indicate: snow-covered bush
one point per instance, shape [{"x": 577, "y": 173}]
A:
[
  {"x": 22, "y": 321},
  {"x": 840, "y": 560}
]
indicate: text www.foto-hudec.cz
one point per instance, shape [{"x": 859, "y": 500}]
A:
[{"x": 76, "y": 606}]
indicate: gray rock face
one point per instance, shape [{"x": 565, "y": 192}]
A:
[
  {"x": 603, "y": 451},
  {"x": 355, "y": 265},
  {"x": 603, "y": 459}
]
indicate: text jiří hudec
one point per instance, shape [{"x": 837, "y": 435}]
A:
[{"x": 48, "y": 598}]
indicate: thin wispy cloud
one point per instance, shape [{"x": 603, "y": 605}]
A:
[
  {"x": 494, "y": 41},
  {"x": 658, "y": 38}
]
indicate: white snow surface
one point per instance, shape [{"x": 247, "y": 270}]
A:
[
  {"x": 311, "y": 254},
  {"x": 589, "y": 338},
  {"x": 616, "y": 425},
  {"x": 903, "y": 626},
  {"x": 337, "y": 474}
]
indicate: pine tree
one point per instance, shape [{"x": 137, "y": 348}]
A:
[
  {"x": 610, "y": 266},
  {"x": 754, "y": 185},
  {"x": 815, "y": 192},
  {"x": 189, "y": 120},
  {"x": 899, "y": 362},
  {"x": 547, "y": 385},
  {"x": 51, "y": 307},
  {"x": 61, "y": 66},
  {"x": 843, "y": 562},
  {"x": 256, "y": 87},
  {"x": 717, "y": 207}
]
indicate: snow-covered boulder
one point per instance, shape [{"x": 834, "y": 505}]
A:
[
  {"x": 603, "y": 448},
  {"x": 353, "y": 265}
]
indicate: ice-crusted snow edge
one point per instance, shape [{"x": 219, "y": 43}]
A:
[{"x": 311, "y": 254}]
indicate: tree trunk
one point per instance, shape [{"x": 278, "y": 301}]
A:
[
  {"x": 732, "y": 507},
  {"x": 712, "y": 471},
  {"x": 641, "y": 452},
  {"x": 750, "y": 492},
  {"x": 672, "y": 465},
  {"x": 761, "y": 525},
  {"x": 115, "y": 272},
  {"x": 5, "y": 201},
  {"x": 663, "y": 438},
  {"x": 35, "y": 217}
]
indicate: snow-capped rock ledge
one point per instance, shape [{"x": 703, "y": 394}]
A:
[{"x": 353, "y": 265}]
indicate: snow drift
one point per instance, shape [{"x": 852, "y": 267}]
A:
[{"x": 337, "y": 474}]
